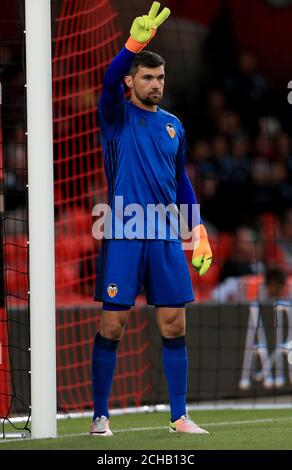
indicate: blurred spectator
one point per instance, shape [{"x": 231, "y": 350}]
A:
[
  {"x": 232, "y": 174},
  {"x": 246, "y": 255},
  {"x": 201, "y": 156},
  {"x": 284, "y": 240},
  {"x": 241, "y": 161},
  {"x": 269, "y": 126},
  {"x": 214, "y": 108},
  {"x": 282, "y": 189},
  {"x": 215, "y": 102},
  {"x": 228, "y": 124},
  {"x": 283, "y": 146},
  {"x": 255, "y": 25},
  {"x": 222, "y": 157},
  {"x": 264, "y": 147},
  {"x": 271, "y": 189},
  {"x": 284, "y": 153},
  {"x": 270, "y": 287},
  {"x": 275, "y": 286},
  {"x": 209, "y": 201},
  {"x": 245, "y": 89},
  {"x": 261, "y": 189}
]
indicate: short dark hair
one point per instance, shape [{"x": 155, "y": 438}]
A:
[{"x": 146, "y": 59}]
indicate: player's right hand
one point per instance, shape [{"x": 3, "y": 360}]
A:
[{"x": 144, "y": 27}]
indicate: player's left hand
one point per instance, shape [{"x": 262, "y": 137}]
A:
[{"x": 202, "y": 254}]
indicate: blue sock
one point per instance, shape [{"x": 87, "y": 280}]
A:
[
  {"x": 175, "y": 365},
  {"x": 103, "y": 367}
]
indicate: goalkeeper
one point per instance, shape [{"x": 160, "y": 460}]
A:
[{"x": 144, "y": 151}]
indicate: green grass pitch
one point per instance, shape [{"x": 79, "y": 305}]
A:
[{"x": 228, "y": 429}]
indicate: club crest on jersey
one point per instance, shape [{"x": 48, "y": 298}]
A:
[
  {"x": 112, "y": 290},
  {"x": 171, "y": 130}
]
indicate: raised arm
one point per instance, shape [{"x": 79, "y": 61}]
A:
[
  {"x": 142, "y": 31},
  {"x": 113, "y": 90}
]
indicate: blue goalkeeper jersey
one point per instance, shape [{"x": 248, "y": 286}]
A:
[{"x": 145, "y": 155}]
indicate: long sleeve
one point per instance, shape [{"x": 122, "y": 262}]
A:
[
  {"x": 186, "y": 195},
  {"x": 184, "y": 192},
  {"x": 113, "y": 91}
]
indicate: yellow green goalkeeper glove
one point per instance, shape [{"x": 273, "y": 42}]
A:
[
  {"x": 144, "y": 28},
  {"x": 202, "y": 254}
]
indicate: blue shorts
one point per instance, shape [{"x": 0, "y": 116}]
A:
[{"x": 125, "y": 265}]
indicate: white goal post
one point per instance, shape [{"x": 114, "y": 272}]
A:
[{"x": 41, "y": 217}]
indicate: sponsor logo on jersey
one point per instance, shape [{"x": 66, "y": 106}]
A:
[
  {"x": 171, "y": 130},
  {"x": 112, "y": 290}
]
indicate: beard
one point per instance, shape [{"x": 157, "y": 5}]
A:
[{"x": 151, "y": 99}]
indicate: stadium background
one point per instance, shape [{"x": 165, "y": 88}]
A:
[{"x": 228, "y": 68}]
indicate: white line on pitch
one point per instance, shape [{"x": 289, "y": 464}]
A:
[{"x": 158, "y": 428}]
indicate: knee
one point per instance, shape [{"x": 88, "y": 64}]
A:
[
  {"x": 112, "y": 329},
  {"x": 173, "y": 329}
]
